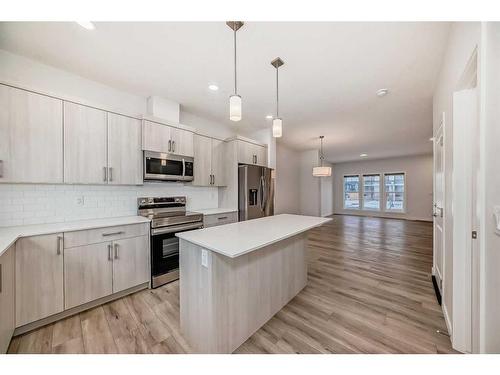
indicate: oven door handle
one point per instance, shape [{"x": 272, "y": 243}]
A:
[{"x": 176, "y": 228}]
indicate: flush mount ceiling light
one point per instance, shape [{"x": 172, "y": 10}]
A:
[
  {"x": 269, "y": 117},
  {"x": 86, "y": 25},
  {"x": 213, "y": 87},
  {"x": 235, "y": 99},
  {"x": 277, "y": 122},
  {"x": 322, "y": 171},
  {"x": 431, "y": 139},
  {"x": 382, "y": 92},
  {"x": 363, "y": 155}
]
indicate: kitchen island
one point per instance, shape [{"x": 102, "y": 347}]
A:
[{"x": 235, "y": 277}]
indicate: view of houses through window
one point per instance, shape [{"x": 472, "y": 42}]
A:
[{"x": 366, "y": 194}]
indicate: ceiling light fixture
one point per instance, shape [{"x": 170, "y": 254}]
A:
[
  {"x": 277, "y": 122},
  {"x": 235, "y": 99},
  {"x": 86, "y": 25},
  {"x": 269, "y": 117},
  {"x": 382, "y": 92},
  {"x": 431, "y": 139},
  {"x": 363, "y": 155},
  {"x": 213, "y": 87},
  {"x": 322, "y": 171}
]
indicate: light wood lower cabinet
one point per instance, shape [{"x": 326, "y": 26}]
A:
[
  {"x": 7, "y": 300},
  {"x": 39, "y": 278},
  {"x": 88, "y": 273},
  {"x": 130, "y": 263}
]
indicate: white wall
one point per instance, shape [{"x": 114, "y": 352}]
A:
[
  {"x": 310, "y": 191},
  {"x": 464, "y": 37},
  {"x": 23, "y": 204},
  {"x": 287, "y": 195},
  {"x": 418, "y": 171},
  {"x": 326, "y": 192},
  {"x": 490, "y": 141}
]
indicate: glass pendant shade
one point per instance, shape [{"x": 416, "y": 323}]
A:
[
  {"x": 235, "y": 108},
  {"x": 322, "y": 171},
  {"x": 277, "y": 128}
]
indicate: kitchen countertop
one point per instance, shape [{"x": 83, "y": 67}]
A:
[
  {"x": 9, "y": 235},
  {"x": 233, "y": 240},
  {"x": 215, "y": 211}
]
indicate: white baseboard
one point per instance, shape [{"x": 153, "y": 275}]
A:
[
  {"x": 325, "y": 215},
  {"x": 447, "y": 320}
]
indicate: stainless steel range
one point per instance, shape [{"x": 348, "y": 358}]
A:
[{"x": 168, "y": 216}]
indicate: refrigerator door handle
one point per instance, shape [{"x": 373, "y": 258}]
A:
[{"x": 261, "y": 192}]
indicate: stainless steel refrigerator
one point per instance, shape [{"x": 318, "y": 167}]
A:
[{"x": 255, "y": 192}]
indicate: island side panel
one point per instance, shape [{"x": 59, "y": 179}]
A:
[{"x": 224, "y": 304}]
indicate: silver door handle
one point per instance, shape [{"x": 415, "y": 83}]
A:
[
  {"x": 59, "y": 244},
  {"x": 213, "y": 179},
  {"x": 169, "y": 145},
  {"x": 110, "y": 257},
  {"x": 105, "y": 173},
  {"x": 173, "y": 146},
  {"x": 112, "y": 233},
  {"x": 222, "y": 218},
  {"x": 110, "y": 173},
  {"x": 255, "y": 159},
  {"x": 116, "y": 250}
]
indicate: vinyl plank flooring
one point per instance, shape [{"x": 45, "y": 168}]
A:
[{"x": 369, "y": 291}]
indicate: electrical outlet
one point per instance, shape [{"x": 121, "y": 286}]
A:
[
  {"x": 204, "y": 258},
  {"x": 80, "y": 201}
]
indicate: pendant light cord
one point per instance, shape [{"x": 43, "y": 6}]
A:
[
  {"x": 277, "y": 94},
  {"x": 235, "y": 87},
  {"x": 321, "y": 151}
]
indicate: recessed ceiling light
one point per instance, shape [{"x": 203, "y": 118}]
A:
[
  {"x": 213, "y": 87},
  {"x": 431, "y": 139},
  {"x": 363, "y": 155},
  {"x": 382, "y": 92},
  {"x": 86, "y": 25},
  {"x": 269, "y": 117}
]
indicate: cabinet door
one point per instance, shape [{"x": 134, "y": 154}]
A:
[
  {"x": 155, "y": 137},
  {"x": 39, "y": 277},
  {"x": 202, "y": 160},
  {"x": 246, "y": 152},
  {"x": 88, "y": 273},
  {"x": 124, "y": 150},
  {"x": 85, "y": 145},
  {"x": 261, "y": 155},
  {"x": 130, "y": 262},
  {"x": 218, "y": 162},
  {"x": 182, "y": 142},
  {"x": 7, "y": 300},
  {"x": 31, "y": 147}
]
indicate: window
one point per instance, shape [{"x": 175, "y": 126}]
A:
[
  {"x": 371, "y": 192},
  {"x": 394, "y": 191},
  {"x": 351, "y": 192}
]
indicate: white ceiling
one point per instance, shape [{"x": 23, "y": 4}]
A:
[{"x": 327, "y": 85}]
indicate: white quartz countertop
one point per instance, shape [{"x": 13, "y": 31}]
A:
[
  {"x": 9, "y": 235},
  {"x": 233, "y": 240},
  {"x": 214, "y": 211}
]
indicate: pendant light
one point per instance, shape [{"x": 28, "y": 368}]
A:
[
  {"x": 277, "y": 121},
  {"x": 322, "y": 171},
  {"x": 235, "y": 99}
]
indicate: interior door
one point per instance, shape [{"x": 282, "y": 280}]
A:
[
  {"x": 438, "y": 211},
  {"x": 130, "y": 262},
  {"x": 124, "y": 150},
  {"x": 85, "y": 145}
]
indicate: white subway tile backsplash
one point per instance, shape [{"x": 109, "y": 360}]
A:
[{"x": 35, "y": 204}]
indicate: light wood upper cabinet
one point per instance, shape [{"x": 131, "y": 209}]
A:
[
  {"x": 39, "y": 277},
  {"x": 251, "y": 153},
  {"x": 209, "y": 155},
  {"x": 88, "y": 273},
  {"x": 156, "y": 137},
  {"x": 85, "y": 144},
  {"x": 31, "y": 131},
  {"x": 167, "y": 139},
  {"x": 124, "y": 150},
  {"x": 130, "y": 262},
  {"x": 7, "y": 300}
]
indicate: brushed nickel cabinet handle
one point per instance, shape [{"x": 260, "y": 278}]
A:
[
  {"x": 173, "y": 146},
  {"x": 222, "y": 218},
  {"x": 116, "y": 250},
  {"x": 110, "y": 256},
  {"x": 169, "y": 145},
  {"x": 110, "y": 173},
  {"x": 59, "y": 244},
  {"x": 105, "y": 174},
  {"x": 112, "y": 233}
]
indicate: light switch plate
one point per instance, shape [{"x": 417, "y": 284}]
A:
[{"x": 204, "y": 258}]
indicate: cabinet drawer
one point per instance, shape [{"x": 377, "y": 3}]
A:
[
  {"x": 87, "y": 237},
  {"x": 220, "y": 219}
]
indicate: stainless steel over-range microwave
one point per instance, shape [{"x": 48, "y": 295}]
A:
[{"x": 167, "y": 167}]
